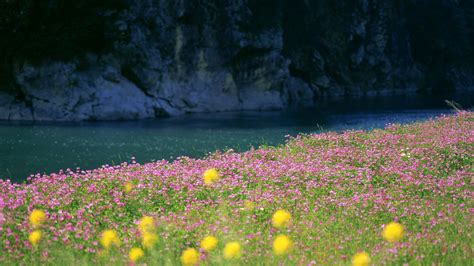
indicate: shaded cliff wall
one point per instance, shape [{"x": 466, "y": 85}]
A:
[{"x": 141, "y": 59}]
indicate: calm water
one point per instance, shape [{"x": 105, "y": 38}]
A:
[{"x": 28, "y": 148}]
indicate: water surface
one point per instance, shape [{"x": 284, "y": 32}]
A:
[{"x": 29, "y": 148}]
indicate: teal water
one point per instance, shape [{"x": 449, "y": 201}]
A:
[{"x": 30, "y": 148}]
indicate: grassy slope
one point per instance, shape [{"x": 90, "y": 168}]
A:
[{"x": 340, "y": 189}]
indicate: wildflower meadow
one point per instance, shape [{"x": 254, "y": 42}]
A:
[{"x": 393, "y": 196}]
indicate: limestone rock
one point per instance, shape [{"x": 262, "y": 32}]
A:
[{"x": 174, "y": 57}]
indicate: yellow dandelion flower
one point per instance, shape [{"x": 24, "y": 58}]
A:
[
  {"x": 393, "y": 232},
  {"x": 37, "y": 217},
  {"x": 109, "y": 238},
  {"x": 149, "y": 240},
  {"x": 135, "y": 254},
  {"x": 232, "y": 250},
  {"x": 35, "y": 237},
  {"x": 210, "y": 176},
  {"x": 190, "y": 257},
  {"x": 209, "y": 243},
  {"x": 361, "y": 259},
  {"x": 282, "y": 245},
  {"x": 281, "y": 219},
  {"x": 128, "y": 187},
  {"x": 146, "y": 225},
  {"x": 249, "y": 205}
]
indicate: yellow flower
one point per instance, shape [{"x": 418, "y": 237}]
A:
[
  {"x": 37, "y": 217},
  {"x": 190, "y": 257},
  {"x": 146, "y": 225},
  {"x": 149, "y": 240},
  {"x": 249, "y": 205},
  {"x": 393, "y": 232},
  {"x": 35, "y": 237},
  {"x": 128, "y": 187},
  {"x": 109, "y": 238},
  {"x": 232, "y": 250},
  {"x": 135, "y": 254},
  {"x": 209, "y": 243},
  {"x": 281, "y": 245},
  {"x": 210, "y": 176},
  {"x": 281, "y": 219},
  {"x": 361, "y": 259}
]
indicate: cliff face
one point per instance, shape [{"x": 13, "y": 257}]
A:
[{"x": 171, "y": 57}]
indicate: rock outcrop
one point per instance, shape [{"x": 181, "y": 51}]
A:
[{"x": 173, "y": 57}]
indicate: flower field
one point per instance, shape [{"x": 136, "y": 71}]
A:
[{"x": 399, "y": 195}]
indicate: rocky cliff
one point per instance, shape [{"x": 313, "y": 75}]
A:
[{"x": 163, "y": 57}]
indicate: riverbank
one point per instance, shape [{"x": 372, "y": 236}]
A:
[{"x": 340, "y": 189}]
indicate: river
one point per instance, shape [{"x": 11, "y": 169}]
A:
[{"x": 27, "y": 148}]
